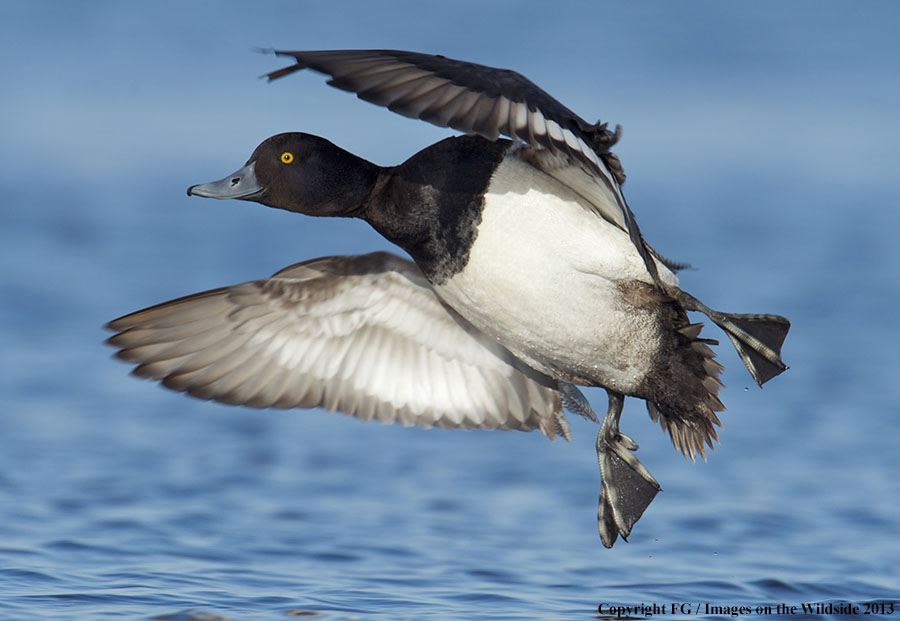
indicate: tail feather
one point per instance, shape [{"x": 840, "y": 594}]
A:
[{"x": 757, "y": 338}]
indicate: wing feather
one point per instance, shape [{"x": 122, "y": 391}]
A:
[
  {"x": 362, "y": 72},
  {"x": 365, "y": 335}
]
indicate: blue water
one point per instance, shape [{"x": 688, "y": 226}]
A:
[{"x": 761, "y": 144}]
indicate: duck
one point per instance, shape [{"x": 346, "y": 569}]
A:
[{"x": 527, "y": 277}]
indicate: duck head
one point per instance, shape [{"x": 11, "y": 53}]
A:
[{"x": 298, "y": 172}]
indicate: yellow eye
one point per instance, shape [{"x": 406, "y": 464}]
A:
[{"x": 287, "y": 157}]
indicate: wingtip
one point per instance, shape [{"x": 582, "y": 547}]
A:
[
  {"x": 280, "y": 73},
  {"x": 115, "y": 325}
]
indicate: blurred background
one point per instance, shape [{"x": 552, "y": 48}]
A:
[{"x": 760, "y": 141}]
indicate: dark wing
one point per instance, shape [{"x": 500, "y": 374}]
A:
[
  {"x": 472, "y": 98},
  {"x": 364, "y": 335},
  {"x": 481, "y": 100}
]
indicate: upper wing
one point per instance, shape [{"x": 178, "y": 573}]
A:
[
  {"x": 365, "y": 335},
  {"x": 481, "y": 100}
]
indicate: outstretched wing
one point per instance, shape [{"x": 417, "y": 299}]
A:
[
  {"x": 487, "y": 101},
  {"x": 364, "y": 335}
]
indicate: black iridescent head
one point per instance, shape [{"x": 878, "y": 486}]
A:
[{"x": 298, "y": 172}]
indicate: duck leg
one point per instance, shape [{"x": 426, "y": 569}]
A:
[{"x": 627, "y": 487}]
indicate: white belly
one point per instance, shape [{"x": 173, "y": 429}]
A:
[{"x": 545, "y": 277}]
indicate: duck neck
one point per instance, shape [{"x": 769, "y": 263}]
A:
[
  {"x": 430, "y": 205},
  {"x": 352, "y": 183}
]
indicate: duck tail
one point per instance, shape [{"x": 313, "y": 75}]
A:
[{"x": 757, "y": 338}]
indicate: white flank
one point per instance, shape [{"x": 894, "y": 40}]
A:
[{"x": 542, "y": 278}]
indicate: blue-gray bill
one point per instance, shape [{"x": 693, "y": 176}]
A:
[{"x": 240, "y": 184}]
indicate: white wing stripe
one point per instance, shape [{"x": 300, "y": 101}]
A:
[
  {"x": 589, "y": 152},
  {"x": 538, "y": 125},
  {"x": 521, "y": 118},
  {"x": 555, "y": 131},
  {"x": 572, "y": 140}
]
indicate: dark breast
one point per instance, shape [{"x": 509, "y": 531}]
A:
[{"x": 431, "y": 204}]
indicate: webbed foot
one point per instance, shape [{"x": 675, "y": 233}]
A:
[
  {"x": 757, "y": 338},
  {"x": 627, "y": 487}
]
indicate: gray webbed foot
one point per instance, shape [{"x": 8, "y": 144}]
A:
[
  {"x": 627, "y": 487},
  {"x": 757, "y": 338}
]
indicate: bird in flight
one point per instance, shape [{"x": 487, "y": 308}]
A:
[{"x": 529, "y": 277}]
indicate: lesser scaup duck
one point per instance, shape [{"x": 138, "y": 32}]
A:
[{"x": 530, "y": 276}]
